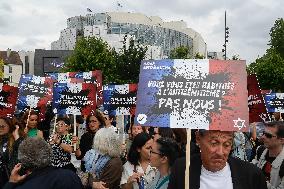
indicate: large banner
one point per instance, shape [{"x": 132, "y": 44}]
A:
[
  {"x": 74, "y": 98},
  {"x": 35, "y": 92},
  {"x": 94, "y": 77},
  {"x": 275, "y": 102},
  {"x": 120, "y": 99},
  {"x": 256, "y": 104},
  {"x": 8, "y": 99},
  {"x": 196, "y": 94}
]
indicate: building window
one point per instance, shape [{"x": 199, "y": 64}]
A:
[
  {"x": 10, "y": 69},
  {"x": 10, "y": 79}
]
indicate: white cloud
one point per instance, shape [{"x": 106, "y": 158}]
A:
[{"x": 34, "y": 24}]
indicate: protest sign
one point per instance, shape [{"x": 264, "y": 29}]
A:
[
  {"x": 94, "y": 77},
  {"x": 74, "y": 98},
  {"x": 8, "y": 99},
  {"x": 256, "y": 104},
  {"x": 196, "y": 94},
  {"x": 35, "y": 92},
  {"x": 120, "y": 99},
  {"x": 275, "y": 102}
]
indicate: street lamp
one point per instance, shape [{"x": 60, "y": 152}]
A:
[{"x": 226, "y": 38}]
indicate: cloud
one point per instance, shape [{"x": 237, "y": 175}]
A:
[{"x": 37, "y": 23}]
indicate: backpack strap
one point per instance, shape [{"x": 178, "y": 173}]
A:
[{"x": 259, "y": 151}]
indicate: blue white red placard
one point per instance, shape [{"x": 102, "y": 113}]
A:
[
  {"x": 120, "y": 99},
  {"x": 275, "y": 102},
  {"x": 35, "y": 92},
  {"x": 74, "y": 98},
  {"x": 94, "y": 77},
  {"x": 196, "y": 94},
  {"x": 256, "y": 104},
  {"x": 8, "y": 99}
]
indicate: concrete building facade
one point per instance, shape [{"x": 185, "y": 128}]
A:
[{"x": 160, "y": 37}]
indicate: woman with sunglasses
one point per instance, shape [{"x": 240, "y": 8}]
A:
[
  {"x": 61, "y": 142},
  {"x": 10, "y": 138},
  {"x": 93, "y": 124},
  {"x": 137, "y": 171},
  {"x": 163, "y": 154}
]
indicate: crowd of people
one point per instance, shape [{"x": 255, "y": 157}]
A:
[{"x": 37, "y": 154}]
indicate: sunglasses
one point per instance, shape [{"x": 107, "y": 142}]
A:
[{"x": 268, "y": 135}]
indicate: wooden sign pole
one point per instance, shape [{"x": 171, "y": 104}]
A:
[
  {"x": 28, "y": 116},
  {"x": 74, "y": 130},
  {"x": 187, "y": 164},
  {"x": 54, "y": 125}
]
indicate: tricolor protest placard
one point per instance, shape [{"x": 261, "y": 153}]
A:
[
  {"x": 120, "y": 99},
  {"x": 256, "y": 104},
  {"x": 197, "y": 94},
  {"x": 94, "y": 77},
  {"x": 74, "y": 98},
  {"x": 8, "y": 99},
  {"x": 275, "y": 102},
  {"x": 35, "y": 92}
]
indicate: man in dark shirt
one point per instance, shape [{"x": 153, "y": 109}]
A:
[
  {"x": 214, "y": 168},
  {"x": 270, "y": 157}
]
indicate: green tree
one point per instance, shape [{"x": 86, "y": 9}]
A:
[
  {"x": 128, "y": 61},
  {"x": 199, "y": 56},
  {"x": 270, "y": 67},
  {"x": 92, "y": 54},
  {"x": 1, "y": 68},
  {"x": 182, "y": 52},
  {"x": 277, "y": 37},
  {"x": 269, "y": 70}
]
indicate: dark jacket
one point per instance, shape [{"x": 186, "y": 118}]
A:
[
  {"x": 85, "y": 145},
  {"x": 49, "y": 178},
  {"x": 8, "y": 159},
  {"x": 244, "y": 175}
]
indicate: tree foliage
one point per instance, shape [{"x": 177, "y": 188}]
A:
[
  {"x": 1, "y": 68},
  {"x": 182, "y": 52},
  {"x": 128, "y": 61},
  {"x": 94, "y": 54},
  {"x": 270, "y": 67},
  {"x": 91, "y": 54},
  {"x": 277, "y": 37},
  {"x": 199, "y": 56}
]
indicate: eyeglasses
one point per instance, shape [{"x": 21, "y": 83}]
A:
[
  {"x": 60, "y": 124},
  {"x": 153, "y": 152},
  {"x": 268, "y": 135},
  {"x": 2, "y": 126},
  {"x": 106, "y": 118}
]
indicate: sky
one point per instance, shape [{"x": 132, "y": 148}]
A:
[{"x": 34, "y": 24}]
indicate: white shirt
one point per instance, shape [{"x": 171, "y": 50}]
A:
[
  {"x": 216, "y": 180},
  {"x": 128, "y": 169}
]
